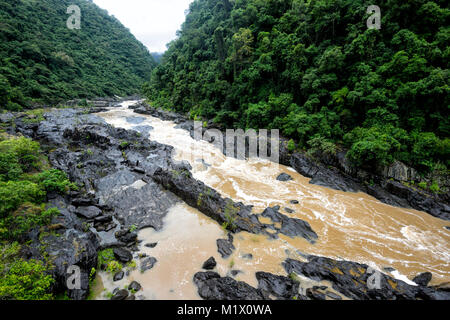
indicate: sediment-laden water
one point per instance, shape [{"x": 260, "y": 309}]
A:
[{"x": 350, "y": 226}]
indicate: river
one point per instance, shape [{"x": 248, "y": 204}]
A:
[{"x": 350, "y": 226}]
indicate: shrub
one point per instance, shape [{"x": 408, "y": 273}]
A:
[
  {"x": 26, "y": 217},
  {"x": 25, "y": 150},
  {"x": 14, "y": 193},
  {"x": 25, "y": 280},
  {"x": 54, "y": 180},
  {"x": 291, "y": 145},
  {"x": 21, "y": 279},
  {"x": 435, "y": 187}
]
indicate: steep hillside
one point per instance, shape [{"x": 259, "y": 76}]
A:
[
  {"x": 314, "y": 70},
  {"x": 42, "y": 60}
]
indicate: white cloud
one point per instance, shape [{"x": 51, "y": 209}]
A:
[{"x": 153, "y": 22}]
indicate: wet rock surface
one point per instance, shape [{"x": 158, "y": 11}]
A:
[
  {"x": 213, "y": 287},
  {"x": 357, "y": 281},
  {"x": 209, "y": 264}
]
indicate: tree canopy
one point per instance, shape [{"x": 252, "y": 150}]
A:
[
  {"x": 313, "y": 69},
  {"x": 42, "y": 60}
]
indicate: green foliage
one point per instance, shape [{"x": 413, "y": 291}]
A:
[
  {"x": 291, "y": 145},
  {"x": 105, "y": 256},
  {"x": 313, "y": 69},
  {"x": 21, "y": 279},
  {"x": 43, "y": 61},
  {"x": 21, "y": 154},
  {"x": 13, "y": 193},
  {"x": 54, "y": 180},
  {"x": 26, "y": 217},
  {"x": 435, "y": 187}
]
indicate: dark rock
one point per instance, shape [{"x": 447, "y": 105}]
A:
[
  {"x": 352, "y": 280},
  {"x": 291, "y": 227},
  {"x": 209, "y": 264},
  {"x": 88, "y": 212},
  {"x": 234, "y": 273},
  {"x": 126, "y": 236},
  {"x": 277, "y": 286},
  {"x": 123, "y": 255},
  {"x": 284, "y": 177},
  {"x": 423, "y": 279},
  {"x": 225, "y": 247},
  {"x": 212, "y": 287},
  {"x": 289, "y": 210},
  {"x": 248, "y": 256},
  {"x": 120, "y": 295},
  {"x": 148, "y": 263},
  {"x": 294, "y": 202},
  {"x": 151, "y": 245},
  {"x": 131, "y": 297},
  {"x": 314, "y": 294},
  {"x": 135, "y": 286},
  {"x": 333, "y": 295},
  {"x": 118, "y": 276}
]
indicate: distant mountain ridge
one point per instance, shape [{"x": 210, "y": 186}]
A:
[{"x": 42, "y": 60}]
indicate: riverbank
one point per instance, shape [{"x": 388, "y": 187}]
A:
[{"x": 130, "y": 183}]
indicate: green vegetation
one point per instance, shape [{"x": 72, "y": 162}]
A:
[
  {"x": 21, "y": 279},
  {"x": 43, "y": 61},
  {"x": 24, "y": 182},
  {"x": 106, "y": 257},
  {"x": 315, "y": 71}
]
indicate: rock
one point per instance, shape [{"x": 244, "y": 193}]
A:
[
  {"x": 313, "y": 294},
  {"x": 120, "y": 295},
  {"x": 423, "y": 279},
  {"x": 131, "y": 297},
  {"x": 447, "y": 227},
  {"x": 400, "y": 172},
  {"x": 352, "y": 280},
  {"x": 288, "y": 210},
  {"x": 234, "y": 273},
  {"x": 88, "y": 212},
  {"x": 148, "y": 263},
  {"x": 123, "y": 255},
  {"x": 248, "y": 256},
  {"x": 118, "y": 276},
  {"x": 284, "y": 177},
  {"x": 209, "y": 264},
  {"x": 294, "y": 202},
  {"x": 135, "y": 286},
  {"x": 126, "y": 236},
  {"x": 277, "y": 286},
  {"x": 321, "y": 175},
  {"x": 333, "y": 295},
  {"x": 212, "y": 287},
  {"x": 291, "y": 227},
  {"x": 225, "y": 247},
  {"x": 151, "y": 245}
]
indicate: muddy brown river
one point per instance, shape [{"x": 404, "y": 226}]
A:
[{"x": 350, "y": 226}]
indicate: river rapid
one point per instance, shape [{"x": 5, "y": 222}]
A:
[{"x": 350, "y": 226}]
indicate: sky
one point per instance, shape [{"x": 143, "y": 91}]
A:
[{"x": 153, "y": 22}]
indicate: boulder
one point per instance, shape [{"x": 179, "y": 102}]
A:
[
  {"x": 123, "y": 255},
  {"x": 284, "y": 177},
  {"x": 423, "y": 279},
  {"x": 212, "y": 287},
  {"x": 209, "y": 264}
]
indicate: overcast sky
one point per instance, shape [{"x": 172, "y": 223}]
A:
[{"x": 153, "y": 22}]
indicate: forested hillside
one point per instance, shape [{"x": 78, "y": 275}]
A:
[
  {"x": 42, "y": 60},
  {"x": 314, "y": 70}
]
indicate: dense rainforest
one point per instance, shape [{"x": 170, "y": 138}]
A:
[
  {"x": 44, "y": 61},
  {"x": 314, "y": 70}
]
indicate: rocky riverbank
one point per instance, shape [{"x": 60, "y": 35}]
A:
[
  {"x": 390, "y": 185},
  {"x": 117, "y": 169}
]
